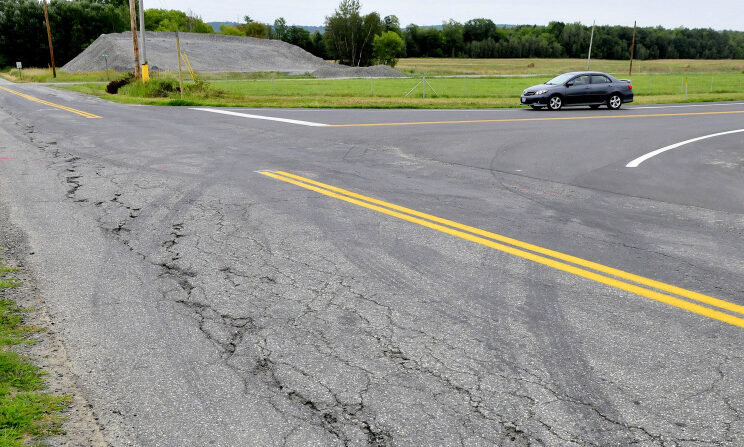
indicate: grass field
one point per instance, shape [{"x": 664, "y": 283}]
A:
[
  {"x": 26, "y": 412},
  {"x": 442, "y": 93},
  {"x": 418, "y": 67},
  {"x": 480, "y": 83},
  {"x": 454, "y": 67}
]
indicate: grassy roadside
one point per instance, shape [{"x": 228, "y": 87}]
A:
[
  {"x": 390, "y": 93},
  {"x": 417, "y": 67},
  {"x": 660, "y": 81},
  {"x": 43, "y": 75},
  {"x": 26, "y": 412}
]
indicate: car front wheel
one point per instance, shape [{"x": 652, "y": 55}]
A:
[
  {"x": 614, "y": 102},
  {"x": 555, "y": 103}
]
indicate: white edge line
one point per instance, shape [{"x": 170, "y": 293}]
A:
[
  {"x": 718, "y": 104},
  {"x": 261, "y": 117},
  {"x": 642, "y": 158}
]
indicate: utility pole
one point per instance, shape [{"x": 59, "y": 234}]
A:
[
  {"x": 145, "y": 67},
  {"x": 133, "y": 17},
  {"x": 49, "y": 35},
  {"x": 632, "y": 50},
  {"x": 591, "y": 41},
  {"x": 180, "y": 71}
]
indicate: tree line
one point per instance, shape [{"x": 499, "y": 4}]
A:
[{"x": 353, "y": 38}]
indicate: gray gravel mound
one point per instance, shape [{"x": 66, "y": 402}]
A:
[
  {"x": 214, "y": 53},
  {"x": 206, "y": 52}
]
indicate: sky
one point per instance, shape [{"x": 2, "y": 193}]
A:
[{"x": 716, "y": 14}]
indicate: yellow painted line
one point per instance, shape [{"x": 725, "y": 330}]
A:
[
  {"x": 670, "y": 300},
  {"x": 545, "y": 251},
  {"x": 51, "y": 104},
  {"x": 564, "y": 118}
]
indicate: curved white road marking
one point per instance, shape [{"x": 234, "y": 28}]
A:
[{"x": 642, "y": 158}]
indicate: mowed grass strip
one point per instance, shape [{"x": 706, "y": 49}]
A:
[
  {"x": 644, "y": 85},
  {"x": 441, "y": 92},
  {"x": 26, "y": 412},
  {"x": 44, "y": 75}
]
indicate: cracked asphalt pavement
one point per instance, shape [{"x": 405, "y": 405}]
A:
[{"x": 202, "y": 303}]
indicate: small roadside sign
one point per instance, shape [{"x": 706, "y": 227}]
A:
[{"x": 19, "y": 65}]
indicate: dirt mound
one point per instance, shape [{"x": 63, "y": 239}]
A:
[{"x": 214, "y": 53}]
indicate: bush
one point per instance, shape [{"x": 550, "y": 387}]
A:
[
  {"x": 114, "y": 86},
  {"x": 154, "y": 88},
  {"x": 199, "y": 86},
  {"x": 161, "y": 88}
]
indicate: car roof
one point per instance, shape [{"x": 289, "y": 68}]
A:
[{"x": 586, "y": 73}]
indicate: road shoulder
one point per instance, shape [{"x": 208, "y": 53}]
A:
[{"x": 79, "y": 426}]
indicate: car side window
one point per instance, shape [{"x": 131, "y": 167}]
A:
[
  {"x": 581, "y": 80},
  {"x": 599, "y": 79}
]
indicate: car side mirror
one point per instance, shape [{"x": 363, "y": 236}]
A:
[{"x": 569, "y": 84}]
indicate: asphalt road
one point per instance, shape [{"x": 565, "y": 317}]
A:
[{"x": 206, "y": 301}]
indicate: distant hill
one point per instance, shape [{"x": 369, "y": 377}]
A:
[{"x": 311, "y": 29}]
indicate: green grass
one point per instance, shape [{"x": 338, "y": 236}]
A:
[
  {"x": 417, "y": 67},
  {"x": 660, "y": 81},
  {"x": 45, "y": 75},
  {"x": 390, "y": 93},
  {"x": 26, "y": 412}
]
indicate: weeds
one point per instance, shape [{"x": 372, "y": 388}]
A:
[{"x": 25, "y": 412}]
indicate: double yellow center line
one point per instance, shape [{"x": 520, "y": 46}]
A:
[
  {"x": 51, "y": 104},
  {"x": 688, "y": 300}
]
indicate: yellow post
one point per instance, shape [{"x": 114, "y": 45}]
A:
[{"x": 145, "y": 73}]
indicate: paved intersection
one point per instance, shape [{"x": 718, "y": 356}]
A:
[{"x": 226, "y": 280}]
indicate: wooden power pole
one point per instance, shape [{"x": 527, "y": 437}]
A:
[
  {"x": 49, "y": 36},
  {"x": 632, "y": 50},
  {"x": 591, "y": 42},
  {"x": 133, "y": 16}
]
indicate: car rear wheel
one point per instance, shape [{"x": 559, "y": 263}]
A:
[
  {"x": 614, "y": 102},
  {"x": 555, "y": 103}
]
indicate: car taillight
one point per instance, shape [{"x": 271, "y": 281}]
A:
[{"x": 630, "y": 86}]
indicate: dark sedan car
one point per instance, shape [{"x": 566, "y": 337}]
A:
[{"x": 591, "y": 89}]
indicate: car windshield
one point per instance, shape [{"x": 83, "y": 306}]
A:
[{"x": 562, "y": 79}]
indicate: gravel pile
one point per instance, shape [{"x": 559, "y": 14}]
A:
[{"x": 214, "y": 53}]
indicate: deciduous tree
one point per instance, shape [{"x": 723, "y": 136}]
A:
[
  {"x": 388, "y": 46},
  {"x": 349, "y": 35}
]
